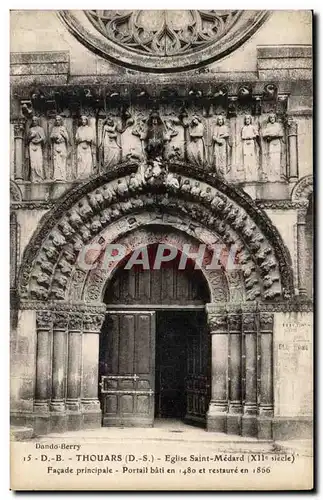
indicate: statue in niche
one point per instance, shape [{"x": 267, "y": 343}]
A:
[
  {"x": 59, "y": 138},
  {"x": 154, "y": 135},
  {"x": 273, "y": 135},
  {"x": 84, "y": 139},
  {"x": 196, "y": 150},
  {"x": 221, "y": 147},
  {"x": 36, "y": 139},
  {"x": 110, "y": 143},
  {"x": 250, "y": 147}
]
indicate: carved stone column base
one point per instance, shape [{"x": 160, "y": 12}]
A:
[
  {"x": 92, "y": 415},
  {"x": 234, "y": 419},
  {"x": 41, "y": 406},
  {"x": 74, "y": 420},
  {"x": 41, "y": 424},
  {"x": 73, "y": 405},
  {"x": 57, "y": 406},
  {"x": 216, "y": 418},
  {"x": 58, "y": 422},
  {"x": 265, "y": 430},
  {"x": 249, "y": 425}
]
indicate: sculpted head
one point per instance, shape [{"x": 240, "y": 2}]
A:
[
  {"x": 272, "y": 118},
  {"x": 247, "y": 120},
  {"x": 84, "y": 120},
  {"x": 220, "y": 120},
  {"x": 195, "y": 120},
  {"x": 58, "y": 121},
  {"x": 35, "y": 121}
]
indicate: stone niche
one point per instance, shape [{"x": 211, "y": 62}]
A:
[{"x": 293, "y": 374}]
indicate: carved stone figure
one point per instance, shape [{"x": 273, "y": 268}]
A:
[
  {"x": 250, "y": 138},
  {"x": 59, "y": 138},
  {"x": 84, "y": 139},
  {"x": 196, "y": 151},
  {"x": 110, "y": 143},
  {"x": 221, "y": 147},
  {"x": 154, "y": 135},
  {"x": 36, "y": 140},
  {"x": 273, "y": 135}
]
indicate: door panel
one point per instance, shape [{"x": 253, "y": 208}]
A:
[
  {"x": 127, "y": 368},
  {"x": 198, "y": 370}
]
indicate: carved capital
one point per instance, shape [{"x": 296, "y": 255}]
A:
[
  {"x": 234, "y": 322},
  {"x": 218, "y": 323},
  {"x": 75, "y": 322},
  {"x": 93, "y": 322},
  {"x": 60, "y": 320},
  {"x": 19, "y": 127},
  {"x": 249, "y": 322},
  {"x": 44, "y": 319},
  {"x": 291, "y": 127},
  {"x": 266, "y": 321}
]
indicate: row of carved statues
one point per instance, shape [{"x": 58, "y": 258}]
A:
[{"x": 157, "y": 140}]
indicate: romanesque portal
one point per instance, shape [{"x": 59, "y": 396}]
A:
[{"x": 155, "y": 143}]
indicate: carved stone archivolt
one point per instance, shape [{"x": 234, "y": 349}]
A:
[
  {"x": 101, "y": 210},
  {"x": 303, "y": 189}
]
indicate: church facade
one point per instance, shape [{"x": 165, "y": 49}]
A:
[{"x": 190, "y": 129}]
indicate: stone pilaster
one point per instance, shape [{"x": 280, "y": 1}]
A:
[
  {"x": 292, "y": 149},
  {"x": 265, "y": 350},
  {"x": 217, "y": 413},
  {"x": 301, "y": 249},
  {"x": 235, "y": 374},
  {"x": 57, "y": 404},
  {"x": 19, "y": 129},
  {"x": 74, "y": 367},
  {"x": 90, "y": 347},
  {"x": 249, "y": 374},
  {"x": 43, "y": 372}
]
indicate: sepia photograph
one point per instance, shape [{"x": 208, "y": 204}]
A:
[{"x": 161, "y": 250}]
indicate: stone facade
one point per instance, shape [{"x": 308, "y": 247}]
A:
[{"x": 212, "y": 143}]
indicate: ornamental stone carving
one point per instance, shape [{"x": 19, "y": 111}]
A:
[
  {"x": 156, "y": 40},
  {"x": 84, "y": 140},
  {"x": 250, "y": 148},
  {"x": 221, "y": 147},
  {"x": 59, "y": 138},
  {"x": 273, "y": 134},
  {"x": 80, "y": 221},
  {"x": 36, "y": 139}
]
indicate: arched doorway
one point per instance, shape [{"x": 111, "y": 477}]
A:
[{"x": 155, "y": 345}]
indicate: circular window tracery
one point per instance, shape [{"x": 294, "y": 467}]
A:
[{"x": 163, "y": 40}]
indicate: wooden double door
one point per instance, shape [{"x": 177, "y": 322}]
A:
[{"x": 154, "y": 364}]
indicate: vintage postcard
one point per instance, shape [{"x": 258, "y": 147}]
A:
[{"x": 161, "y": 243}]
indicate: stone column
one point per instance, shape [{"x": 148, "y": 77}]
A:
[
  {"x": 301, "y": 249},
  {"x": 249, "y": 374},
  {"x": 292, "y": 150},
  {"x": 19, "y": 128},
  {"x": 44, "y": 325},
  {"x": 57, "y": 404},
  {"x": 265, "y": 349},
  {"x": 74, "y": 367},
  {"x": 43, "y": 372},
  {"x": 217, "y": 413},
  {"x": 90, "y": 363},
  {"x": 235, "y": 375}
]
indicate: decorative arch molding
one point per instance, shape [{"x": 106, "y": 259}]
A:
[
  {"x": 303, "y": 189},
  {"x": 83, "y": 214},
  {"x": 93, "y": 283}
]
